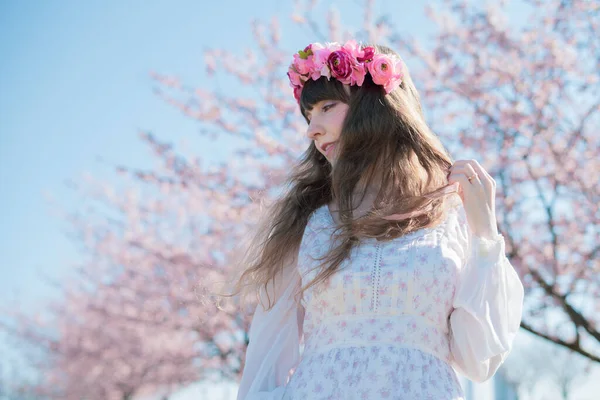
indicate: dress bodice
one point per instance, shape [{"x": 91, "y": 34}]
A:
[
  {"x": 395, "y": 292},
  {"x": 397, "y": 320}
]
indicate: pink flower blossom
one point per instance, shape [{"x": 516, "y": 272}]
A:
[
  {"x": 353, "y": 48},
  {"x": 303, "y": 66},
  {"x": 294, "y": 76},
  {"x": 348, "y": 63},
  {"x": 341, "y": 63},
  {"x": 386, "y": 70},
  {"x": 297, "y": 92},
  {"x": 358, "y": 74},
  {"x": 319, "y": 61},
  {"x": 368, "y": 53}
]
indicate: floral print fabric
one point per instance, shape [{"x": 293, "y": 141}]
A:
[{"x": 388, "y": 324}]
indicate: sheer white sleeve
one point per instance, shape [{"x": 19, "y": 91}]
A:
[
  {"x": 488, "y": 304},
  {"x": 274, "y": 340}
]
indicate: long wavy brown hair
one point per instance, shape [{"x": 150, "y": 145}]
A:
[{"x": 384, "y": 141}]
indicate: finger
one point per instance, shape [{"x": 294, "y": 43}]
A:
[
  {"x": 485, "y": 177},
  {"x": 477, "y": 167},
  {"x": 466, "y": 171},
  {"x": 462, "y": 183},
  {"x": 470, "y": 173}
]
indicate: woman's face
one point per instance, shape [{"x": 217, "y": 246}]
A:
[{"x": 325, "y": 125}]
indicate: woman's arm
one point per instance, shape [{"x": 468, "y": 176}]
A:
[
  {"x": 487, "y": 305},
  {"x": 274, "y": 340}
]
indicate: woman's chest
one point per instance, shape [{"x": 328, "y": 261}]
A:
[{"x": 413, "y": 275}]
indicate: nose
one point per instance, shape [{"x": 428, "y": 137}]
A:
[{"x": 313, "y": 130}]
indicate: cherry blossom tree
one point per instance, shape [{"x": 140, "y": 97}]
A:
[
  {"x": 132, "y": 320},
  {"x": 526, "y": 100},
  {"x": 522, "y": 100}
]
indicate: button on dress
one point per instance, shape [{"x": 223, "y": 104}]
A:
[{"x": 399, "y": 319}]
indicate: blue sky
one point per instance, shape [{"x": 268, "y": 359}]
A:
[{"x": 75, "y": 88}]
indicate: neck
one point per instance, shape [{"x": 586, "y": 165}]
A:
[{"x": 361, "y": 205}]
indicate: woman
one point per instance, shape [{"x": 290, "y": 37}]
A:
[{"x": 382, "y": 259}]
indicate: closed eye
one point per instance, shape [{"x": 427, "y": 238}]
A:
[
  {"x": 325, "y": 108},
  {"x": 328, "y": 106}
]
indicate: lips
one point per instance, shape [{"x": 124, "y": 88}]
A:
[{"x": 328, "y": 147}]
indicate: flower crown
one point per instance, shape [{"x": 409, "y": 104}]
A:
[{"x": 348, "y": 64}]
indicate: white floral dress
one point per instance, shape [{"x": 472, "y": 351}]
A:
[{"x": 395, "y": 322}]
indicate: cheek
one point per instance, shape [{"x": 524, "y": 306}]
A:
[{"x": 338, "y": 120}]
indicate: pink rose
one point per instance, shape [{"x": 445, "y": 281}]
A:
[
  {"x": 297, "y": 92},
  {"x": 319, "y": 61},
  {"x": 353, "y": 48},
  {"x": 358, "y": 75},
  {"x": 386, "y": 70},
  {"x": 368, "y": 53},
  {"x": 294, "y": 77},
  {"x": 302, "y": 65},
  {"x": 381, "y": 69},
  {"x": 340, "y": 63},
  {"x": 392, "y": 84}
]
